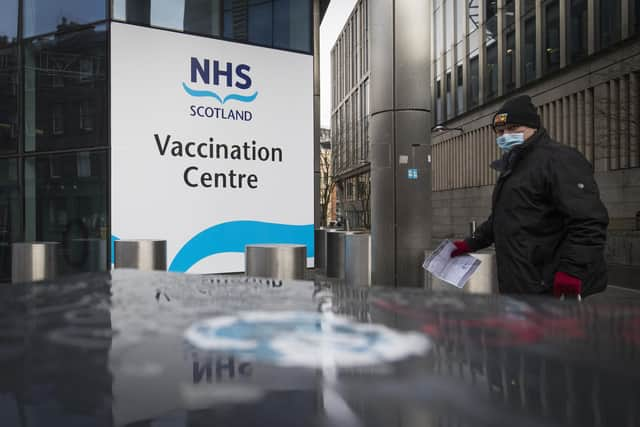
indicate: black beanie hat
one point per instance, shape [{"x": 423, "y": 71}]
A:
[{"x": 517, "y": 111}]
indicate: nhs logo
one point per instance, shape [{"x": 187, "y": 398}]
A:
[{"x": 225, "y": 78}]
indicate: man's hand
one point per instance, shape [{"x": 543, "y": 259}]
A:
[
  {"x": 461, "y": 248},
  {"x": 565, "y": 284}
]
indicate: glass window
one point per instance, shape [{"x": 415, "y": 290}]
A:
[
  {"x": 260, "y": 22},
  {"x": 510, "y": 61},
  {"x": 609, "y": 22},
  {"x": 459, "y": 89},
  {"x": 9, "y": 22},
  {"x": 528, "y": 6},
  {"x": 509, "y": 13},
  {"x": 194, "y": 16},
  {"x": 10, "y": 214},
  {"x": 46, "y": 16},
  {"x": 449, "y": 98},
  {"x": 491, "y": 20},
  {"x": 200, "y": 16},
  {"x": 292, "y": 24},
  {"x": 65, "y": 85},
  {"x": 474, "y": 15},
  {"x": 552, "y": 36},
  {"x": 438, "y": 36},
  {"x": 492, "y": 71},
  {"x": 529, "y": 53},
  {"x": 8, "y": 98},
  {"x": 578, "y": 25},
  {"x": 448, "y": 17},
  {"x": 635, "y": 4},
  {"x": 438, "y": 102},
  {"x": 66, "y": 202},
  {"x": 459, "y": 21},
  {"x": 474, "y": 81}
]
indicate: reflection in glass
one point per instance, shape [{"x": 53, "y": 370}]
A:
[
  {"x": 65, "y": 201},
  {"x": 291, "y": 25},
  {"x": 65, "y": 90},
  {"x": 47, "y": 16},
  {"x": 8, "y": 22},
  {"x": 8, "y": 97},
  {"x": 279, "y": 23},
  {"x": 510, "y": 61},
  {"x": 609, "y": 22},
  {"x": 492, "y": 71},
  {"x": 449, "y": 99},
  {"x": 474, "y": 81},
  {"x": 578, "y": 30},
  {"x": 552, "y": 36},
  {"x": 459, "y": 90},
  {"x": 529, "y": 53},
  {"x": 459, "y": 22},
  {"x": 10, "y": 207}
]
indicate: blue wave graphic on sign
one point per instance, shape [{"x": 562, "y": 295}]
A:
[
  {"x": 113, "y": 252},
  {"x": 233, "y": 236},
  {"x": 210, "y": 94}
]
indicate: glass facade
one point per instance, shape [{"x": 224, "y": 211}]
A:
[
  {"x": 54, "y": 98},
  {"x": 493, "y": 50},
  {"x": 284, "y": 24}
]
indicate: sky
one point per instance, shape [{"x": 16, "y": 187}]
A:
[{"x": 334, "y": 20}]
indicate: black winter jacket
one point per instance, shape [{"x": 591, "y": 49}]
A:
[{"x": 547, "y": 216}]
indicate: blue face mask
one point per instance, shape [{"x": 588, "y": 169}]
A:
[{"x": 509, "y": 140}]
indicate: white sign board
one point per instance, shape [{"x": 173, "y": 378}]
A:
[{"x": 211, "y": 146}]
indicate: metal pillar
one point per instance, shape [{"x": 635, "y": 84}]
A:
[{"x": 400, "y": 140}]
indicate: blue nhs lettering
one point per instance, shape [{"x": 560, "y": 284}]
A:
[{"x": 224, "y": 72}]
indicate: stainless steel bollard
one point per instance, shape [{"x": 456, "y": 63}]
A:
[
  {"x": 144, "y": 255},
  {"x": 357, "y": 264},
  {"x": 483, "y": 281},
  {"x": 276, "y": 261},
  {"x": 335, "y": 254},
  {"x": 33, "y": 261}
]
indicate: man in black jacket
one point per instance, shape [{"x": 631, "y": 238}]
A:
[{"x": 548, "y": 223}]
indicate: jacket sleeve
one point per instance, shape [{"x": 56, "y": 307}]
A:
[
  {"x": 483, "y": 237},
  {"x": 576, "y": 196}
]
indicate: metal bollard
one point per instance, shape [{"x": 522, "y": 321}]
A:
[
  {"x": 276, "y": 261},
  {"x": 357, "y": 264},
  {"x": 147, "y": 255},
  {"x": 335, "y": 254},
  {"x": 33, "y": 261}
]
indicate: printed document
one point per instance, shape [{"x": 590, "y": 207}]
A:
[{"x": 455, "y": 271}]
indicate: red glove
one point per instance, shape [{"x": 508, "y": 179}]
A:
[
  {"x": 565, "y": 284},
  {"x": 461, "y": 248}
]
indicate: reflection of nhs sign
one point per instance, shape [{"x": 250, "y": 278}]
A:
[{"x": 222, "y": 75}]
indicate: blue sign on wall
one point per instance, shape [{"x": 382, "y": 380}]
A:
[{"x": 412, "y": 173}]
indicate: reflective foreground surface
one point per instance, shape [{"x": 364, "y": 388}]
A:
[{"x": 159, "y": 349}]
